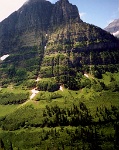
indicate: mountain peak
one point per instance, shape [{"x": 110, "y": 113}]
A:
[
  {"x": 29, "y": 2},
  {"x": 64, "y": 1},
  {"x": 36, "y": 0},
  {"x": 64, "y": 12},
  {"x": 113, "y": 27}
]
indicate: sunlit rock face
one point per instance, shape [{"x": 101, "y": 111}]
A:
[{"x": 113, "y": 28}]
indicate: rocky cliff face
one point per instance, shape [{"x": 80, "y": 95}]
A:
[
  {"x": 64, "y": 12},
  {"x": 30, "y": 23}
]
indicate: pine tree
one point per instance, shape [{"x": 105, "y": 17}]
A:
[{"x": 1, "y": 144}]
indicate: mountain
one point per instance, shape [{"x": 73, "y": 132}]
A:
[
  {"x": 113, "y": 28},
  {"x": 25, "y": 26},
  {"x": 47, "y": 40},
  {"x": 59, "y": 81},
  {"x": 35, "y": 18}
]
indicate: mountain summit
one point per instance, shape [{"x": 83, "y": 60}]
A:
[
  {"x": 63, "y": 12},
  {"x": 25, "y": 26}
]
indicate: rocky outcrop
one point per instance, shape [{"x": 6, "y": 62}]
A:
[{"x": 64, "y": 12}]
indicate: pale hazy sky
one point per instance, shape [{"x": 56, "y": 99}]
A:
[
  {"x": 97, "y": 12},
  {"x": 9, "y": 6}
]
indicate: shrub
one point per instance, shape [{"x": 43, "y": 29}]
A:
[
  {"x": 113, "y": 86},
  {"x": 48, "y": 85},
  {"x": 30, "y": 83},
  {"x": 13, "y": 98}
]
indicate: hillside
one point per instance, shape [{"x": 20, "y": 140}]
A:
[{"x": 59, "y": 80}]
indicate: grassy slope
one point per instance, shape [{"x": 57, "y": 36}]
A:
[
  {"x": 7, "y": 109},
  {"x": 91, "y": 98},
  {"x": 67, "y": 98}
]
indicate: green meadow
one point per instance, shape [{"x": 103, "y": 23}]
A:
[{"x": 65, "y": 119}]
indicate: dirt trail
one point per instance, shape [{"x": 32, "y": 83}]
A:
[
  {"x": 86, "y": 75},
  {"x": 89, "y": 76},
  {"x": 61, "y": 88},
  {"x": 34, "y": 92}
]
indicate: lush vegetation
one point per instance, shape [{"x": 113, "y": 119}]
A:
[
  {"x": 67, "y": 138},
  {"x": 83, "y": 119},
  {"x": 13, "y": 98},
  {"x": 48, "y": 85},
  {"x": 69, "y": 67},
  {"x": 21, "y": 67},
  {"x": 70, "y": 128}
]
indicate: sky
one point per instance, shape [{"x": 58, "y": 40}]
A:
[{"x": 97, "y": 12}]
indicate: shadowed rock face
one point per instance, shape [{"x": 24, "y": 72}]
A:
[
  {"x": 29, "y": 25},
  {"x": 64, "y": 12},
  {"x": 25, "y": 26},
  {"x": 34, "y": 15}
]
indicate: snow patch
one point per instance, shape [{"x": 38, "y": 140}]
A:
[
  {"x": 4, "y": 57},
  {"x": 86, "y": 75},
  {"x": 38, "y": 79},
  {"x": 34, "y": 92},
  {"x": 116, "y": 33},
  {"x": 61, "y": 88}
]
